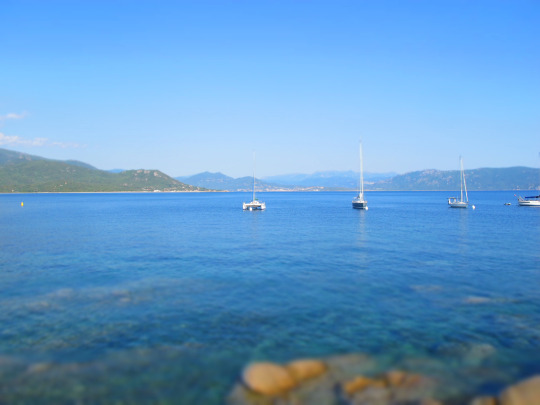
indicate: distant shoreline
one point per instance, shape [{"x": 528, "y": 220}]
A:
[{"x": 270, "y": 191}]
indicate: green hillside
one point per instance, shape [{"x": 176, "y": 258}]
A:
[
  {"x": 20, "y": 172},
  {"x": 26, "y": 173}
]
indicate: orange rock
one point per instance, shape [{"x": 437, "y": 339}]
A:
[
  {"x": 302, "y": 370},
  {"x": 484, "y": 401},
  {"x": 523, "y": 393},
  {"x": 412, "y": 380},
  {"x": 395, "y": 378},
  {"x": 268, "y": 378},
  {"x": 360, "y": 383}
]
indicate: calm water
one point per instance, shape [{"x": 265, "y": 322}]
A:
[{"x": 147, "y": 298}]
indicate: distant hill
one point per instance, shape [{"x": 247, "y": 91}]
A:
[
  {"x": 511, "y": 178},
  {"x": 9, "y": 156},
  {"x": 220, "y": 181},
  {"x": 328, "y": 179},
  {"x": 20, "y": 172},
  {"x": 215, "y": 181}
]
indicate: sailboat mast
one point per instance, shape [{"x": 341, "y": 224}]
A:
[
  {"x": 461, "y": 177},
  {"x": 539, "y": 175},
  {"x": 464, "y": 183},
  {"x": 361, "y": 173},
  {"x": 465, "y": 186},
  {"x": 253, "y": 176}
]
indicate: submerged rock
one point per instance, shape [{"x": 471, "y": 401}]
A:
[
  {"x": 393, "y": 388},
  {"x": 395, "y": 378},
  {"x": 347, "y": 366},
  {"x": 356, "y": 380},
  {"x": 268, "y": 378},
  {"x": 372, "y": 395},
  {"x": 526, "y": 392},
  {"x": 361, "y": 383},
  {"x": 305, "y": 369},
  {"x": 39, "y": 368},
  {"x": 484, "y": 401},
  {"x": 346, "y": 380}
]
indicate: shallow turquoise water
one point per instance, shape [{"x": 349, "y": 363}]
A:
[{"x": 157, "y": 297}]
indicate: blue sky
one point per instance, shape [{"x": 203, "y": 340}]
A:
[{"x": 191, "y": 86}]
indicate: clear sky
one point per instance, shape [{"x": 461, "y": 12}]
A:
[{"x": 192, "y": 86}]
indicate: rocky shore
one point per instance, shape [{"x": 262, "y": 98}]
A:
[{"x": 348, "y": 380}]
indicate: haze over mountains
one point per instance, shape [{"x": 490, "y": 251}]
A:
[
  {"x": 219, "y": 181},
  {"x": 20, "y": 172},
  {"x": 328, "y": 180},
  {"x": 331, "y": 179},
  {"x": 511, "y": 178}
]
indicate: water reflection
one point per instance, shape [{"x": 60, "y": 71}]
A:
[
  {"x": 462, "y": 241},
  {"x": 253, "y": 220},
  {"x": 361, "y": 233}
]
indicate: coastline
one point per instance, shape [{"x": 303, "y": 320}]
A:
[{"x": 249, "y": 191}]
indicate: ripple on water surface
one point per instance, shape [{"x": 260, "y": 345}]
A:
[{"x": 148, "y": 298}]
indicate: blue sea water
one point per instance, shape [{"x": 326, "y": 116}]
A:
[{"x": 165, "y": 297}]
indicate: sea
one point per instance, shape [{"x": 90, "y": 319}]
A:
[{"x": 165, "y": 297}]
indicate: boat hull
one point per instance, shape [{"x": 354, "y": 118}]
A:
[
  {"x": 458, "y": 205},
  {"x": 254, "y": 206},
  {"x": 359, "y": 205},
  {"x": 453, "y": 202},
  {"x": 529, "y": 203}
]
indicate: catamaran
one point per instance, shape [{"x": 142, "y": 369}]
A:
[
  {"x": 255, "y": 204},
  {"x": 453, "y": 202},
  {"x": 358, "y": 202}
]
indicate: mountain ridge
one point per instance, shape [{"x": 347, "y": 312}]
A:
[
  {"x": 10, "y": 157},
  {"x": 20, "y": 172},
  {"x": 512, "y": 178},
  {"x": 221, "y": 182},
  {"x": 328, "y": 179},
  {"x": 482, "y": 179}
]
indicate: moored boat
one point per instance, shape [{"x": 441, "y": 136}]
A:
[
  {"x": 453, "y": 202},
  {"x": 533, "y": 201},
  {"x": 255, "y": 204},
  {"x": 358, "y": 202}
]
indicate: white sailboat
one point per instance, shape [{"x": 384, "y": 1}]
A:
[
  {"x": 453, "y": 202},
  {"x": 533, "y": 201},
  {"x": 255, "y": 204},
  {"x": 358, "y": 202}
]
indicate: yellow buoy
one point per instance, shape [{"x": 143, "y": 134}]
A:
[{"x": 22, "y": 204}]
